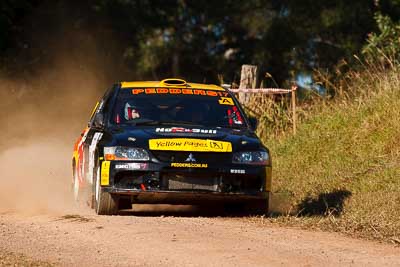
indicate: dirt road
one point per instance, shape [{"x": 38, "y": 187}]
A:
[
  {"x": 38, "y": 225},
  {"x": 180, "y": 238}
]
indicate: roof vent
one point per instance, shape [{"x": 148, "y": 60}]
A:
[{"x": 173, "y": 82}]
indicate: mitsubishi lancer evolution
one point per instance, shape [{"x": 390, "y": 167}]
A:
[{"x": 170, "y": 142}]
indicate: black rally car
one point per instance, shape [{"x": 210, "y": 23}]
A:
[{"x": 170, "y": 142}]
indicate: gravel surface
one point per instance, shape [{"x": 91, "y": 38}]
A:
[{"x": 177, "y": 238}]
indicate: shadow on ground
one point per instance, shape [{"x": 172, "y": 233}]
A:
[
  {"x": 325, "y": 204},
  {"x": 153, "y": 210}
]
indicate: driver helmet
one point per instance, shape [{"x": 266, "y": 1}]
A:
[{"x": 131, "y": 112}]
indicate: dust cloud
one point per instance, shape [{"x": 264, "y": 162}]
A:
[
  {"x": 49, "y": 85},
  {"x": 35, "y": 177},
  {"x": 42, "y": 117}
]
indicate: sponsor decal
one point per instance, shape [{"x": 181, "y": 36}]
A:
[
  {"x": 190, "y": 158},
  {"x": 131, "y": 166},
  {"x": 105, "y": 173},
  {"x": 81, "y": 159},
  {"x": 96, "y": 138},
  {"x": 187, "y": 144},
  {"x": 226, "y": 101},
  {"x": 132, "y": 139},
  {"x": 238, "y": 171},
  {"x": 185, "y": 130},
  {"x": 179, "y": 91},
  {"x": 189, "y": 165}
]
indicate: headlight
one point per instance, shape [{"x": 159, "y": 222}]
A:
[
  {"x": 251, "y": 157},
  {"x": 125, "y": 153}
]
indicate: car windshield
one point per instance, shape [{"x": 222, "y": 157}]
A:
[{"x": 154, "y": 106}]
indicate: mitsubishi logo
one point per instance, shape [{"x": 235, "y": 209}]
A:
[{"x": 190, "y": 158}]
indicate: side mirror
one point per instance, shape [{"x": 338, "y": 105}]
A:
[
  {"x": 98, "y": 121},
  {"x": 253, "y": 123}
]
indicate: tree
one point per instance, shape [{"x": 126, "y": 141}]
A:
[{"x": 153, "y": 39}]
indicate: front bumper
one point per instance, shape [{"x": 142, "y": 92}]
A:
[
  {"x": 155, "y": 182},
  {"x": 179, "y": 197}
]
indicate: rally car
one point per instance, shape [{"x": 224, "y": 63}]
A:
[{"x": 170, "y": 142}]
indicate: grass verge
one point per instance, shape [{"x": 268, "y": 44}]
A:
[{"x": 342, "y": 169}]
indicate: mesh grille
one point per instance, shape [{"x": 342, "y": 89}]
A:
[
  {"x": 211, "y": 182},
  {"x": 190, "y": 184}
]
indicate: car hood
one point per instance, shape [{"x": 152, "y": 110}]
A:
[{"x": 240, "y": 139}]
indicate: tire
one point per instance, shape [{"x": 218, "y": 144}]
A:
[{"x": 104, "y": 202}]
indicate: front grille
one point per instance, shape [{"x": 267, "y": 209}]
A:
[
  {"x": 211, "y": 182},
  {"x": 177, "y": 182},
  {"x": 200, "y": 157}
]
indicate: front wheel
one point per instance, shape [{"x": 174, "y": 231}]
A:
[{"x": 104, "y": 202}]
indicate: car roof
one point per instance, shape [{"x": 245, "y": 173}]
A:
[{"x": 172, "y": 82}]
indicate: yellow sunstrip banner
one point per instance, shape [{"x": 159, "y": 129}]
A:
[
  {"x": 105, "y": 173},
  {"x": 189, "y": 165},
  {"x": 187, "y": 144},
  {"x": 179, "y": 91}
]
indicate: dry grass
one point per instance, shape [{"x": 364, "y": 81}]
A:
[
  {"x": 17, "y": 259},
  {"x": 76, "y": 218},
  {"x": 342, "y": 169}
]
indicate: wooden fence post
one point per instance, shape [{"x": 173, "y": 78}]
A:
[
  {"x": 248, "y": 79},
  {"x": 294, "y": 108}
]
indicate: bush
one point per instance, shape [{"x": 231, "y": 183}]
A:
[{"x": 384, "y": 47}]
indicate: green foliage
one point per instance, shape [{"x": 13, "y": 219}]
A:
[
  {"x": 198, "y": 41},
  {"x": 384, "y": 46}
]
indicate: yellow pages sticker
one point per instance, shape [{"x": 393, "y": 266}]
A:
[{"x": 187, "y": 144}]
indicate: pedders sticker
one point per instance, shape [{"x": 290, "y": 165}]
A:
[
  {"x": 179, "y": 91},
  {"x": 189, "y": 165}
]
